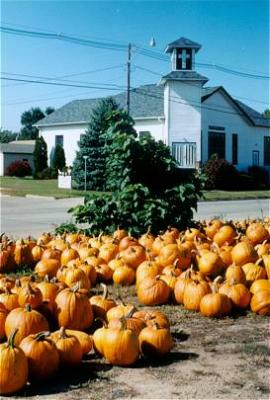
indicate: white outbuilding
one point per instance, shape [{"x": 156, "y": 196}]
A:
[{"x": 195, "y": 120}]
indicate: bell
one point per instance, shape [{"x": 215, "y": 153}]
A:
[{"x": 152, "y": 42}]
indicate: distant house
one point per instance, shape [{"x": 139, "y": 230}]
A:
[
  {"x": 16, "y": 151},
  {"x": 195, "y": 121}
]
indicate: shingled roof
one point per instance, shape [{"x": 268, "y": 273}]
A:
[
  {"x": 182, "y": 43},
  {"x": 145, "y": 102}
]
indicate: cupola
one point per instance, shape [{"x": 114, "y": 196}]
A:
[{"x": 183, "y": 54}]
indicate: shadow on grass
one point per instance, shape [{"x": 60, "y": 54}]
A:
[
  {"x": 65, "y": 380},
  {"x": 180, "y": 336},
  {"x": 156, "y": 362}
]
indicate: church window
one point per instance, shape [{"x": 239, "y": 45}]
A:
[
  {"x": 234, "y": 148},
  {"x": 266, "y": 148},
  {"x": 59, "y": 139},
  {"x": 216, "y": 144}
]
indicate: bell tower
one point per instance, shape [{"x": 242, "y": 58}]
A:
[{"x": 182, "y": 103}]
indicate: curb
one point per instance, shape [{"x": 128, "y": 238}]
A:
[{"x": 35, "y": 196}]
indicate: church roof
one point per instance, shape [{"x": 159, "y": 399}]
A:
[
  {"x": 145, "y": 102},
  {"x": 183, "y": 75},
  {"x": 182, "y": 43}
]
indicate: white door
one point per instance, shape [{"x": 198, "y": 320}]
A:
[{"x": 185, "y": 154}]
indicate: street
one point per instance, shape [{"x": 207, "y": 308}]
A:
[{"x": 21, "y": 216}]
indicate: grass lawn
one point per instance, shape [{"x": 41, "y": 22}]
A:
[
  {"x": 22, "y": 186},
  {"x": 47, "y": 187}
]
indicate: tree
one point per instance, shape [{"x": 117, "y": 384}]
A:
[
  {"x": 92, "y": 145},
  {"x": 30, "y": 118},
  {"x": 266, "y": 113},
  {"x": 59, "y": 159},
  {"x": 7, "y": 136},
  {"x": 40, "y": 156}
]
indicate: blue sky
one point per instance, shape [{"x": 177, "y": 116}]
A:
[{"x": 232, "y": 33}]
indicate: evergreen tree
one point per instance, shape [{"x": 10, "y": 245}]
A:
[
  {"x": 92, "y": 145},
  {"x": 29, "y": 119},
  {"x": 59, "y": 159},
  {"x": 40, "y": 156}
]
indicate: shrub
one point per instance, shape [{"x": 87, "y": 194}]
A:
[
  {"x": 220, "y": 174},
  {"x": 40, "y": 156},
  {"x": 19, "y": 168},
  {"x": 59, "y": 159},
  {"x": 259, "y": 175},
  {"x": 136, "y": 209},
  {"x": 47, "y": 173}
]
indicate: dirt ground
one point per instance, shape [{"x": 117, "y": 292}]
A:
[{"x": 212, "y": 359}]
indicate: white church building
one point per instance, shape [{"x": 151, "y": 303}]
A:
[{"x": 195, "y": 120}]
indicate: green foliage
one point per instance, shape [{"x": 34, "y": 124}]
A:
[
  {"x": 30, "y": 118},
  {"x": 47, "y": 173},
  {"x": 92, "y": 145},
  {"x": 58, "y": 159},
  {"x": 220, "y": 174},
  {"x": 7, "y": 136},
  {"x": 136, "y": 209},
  {"x": 66, "y": 227},
  {"x": 266, "y": 113},
  {"x": 40, "y": 156}
]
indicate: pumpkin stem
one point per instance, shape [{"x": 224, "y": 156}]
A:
[
  {"x": 46, "y": 278},
  {"x": 42, "y": 335},
  {"x": 18, "y": 283},
  {"x": 62, "y": 333},
  {"x": 11, "y": 338},
  {"x": 123, "y": 323},
  {"x": 105, "y": 290},
  {"x": 76, "y": 287},
  {"x": 131, "y": 312},
  {"x": 258, "y": 262},
  {"x": 104, "y": 323},
  {"x": 218, "y": 279},
  {"x": 28, "y": 307}
]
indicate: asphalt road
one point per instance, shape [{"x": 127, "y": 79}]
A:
[{"x": 21, "y": 216}]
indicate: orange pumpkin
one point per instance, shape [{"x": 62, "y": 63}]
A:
[
  {"x": 260, "y": 284},
  {"x": 257, "y": 233},
  {"x": 243, "y": 253},
  {"x": 155, "y": 341},
  {"x": 101, "y": 304},
  {"x": 124, "y": 275},
  {"x": 254, "y": 272},
  {"x": 104, "y": 273},
  {"x": 260, "y": 302},
  {"x": 85, "y": 340},
  {"x": 47, "y": 266},
  {"x": 210, "y": 264},
  {"x": 235, "y": 273},
  {"x": 225, "y": 235},
  {"x": 151, "y": 317},
  {"x": 237, "y": 292},
  {"x": 215, "y": 305},
  {"x": 134, "y": 256},
  {"x": 180, "y": 286},
  {"x": 9, "y": 299},
  {"x": 153, "y": 291},
  {"x": 30, "y": 295},
  {"x": 14, "y": 366},
  {"x": 69, "y": 348},
  {"x": 3, "y": 317},
  {"x": 193, "y": 293}
]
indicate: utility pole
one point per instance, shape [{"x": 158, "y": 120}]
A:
[
  {"x": 85, "y": 172},
  {"x": 128, "y": 77}
]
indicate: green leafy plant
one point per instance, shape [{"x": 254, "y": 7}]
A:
[
  {"x": 66, "y": 227},
  {"x": 40, "y": 156},
  {"x": 58, "y": 159},
  {"x": 221, "y": 174}
]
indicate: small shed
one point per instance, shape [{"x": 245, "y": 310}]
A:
[{"x": 18, "y": 150}]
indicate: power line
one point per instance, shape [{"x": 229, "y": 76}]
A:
[{"x": 135, "y": 90}]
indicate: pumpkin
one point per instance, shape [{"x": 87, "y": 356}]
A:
[
  {"x": 235, "y": 273},
  {"x": 36, "y": 252},
  {"x": 85, "y": 340},
  {"x": 99, "y": 339},
  {"x": 71, "y": 238},
  {"x": 134, "y": 256},
  {"x": 14, "y": 366},
  {"x": 212, "y": 228},
  {"x": 108, "y": 251},
  {"x": 17, "y": 287},
  {"x": 86, "y": 251},
  {"x": 153, "y": 291},
  {"x": 180, "y": 286},
  {"x": 192, "y": 234},
  {"x": 116, "y": 262},
  {"x": 90, "y": 272},
  {"x": 51, "y": 253},
  {"x": 30, "y": 295},
  {"x": 260, "y": 284},
  {"x": 215, "y": 304},
  {"x": 225, "y": 253},
  {"x": 58, "y": 244},
  {"x": 45, "y": 238},
  {"x": 170, "y": 280},
  {"x": 42, "y": 356},
  {"x": 124, "y": 275},
  {"x": 101, "y": 304},
  {"x": 254, "y": 272},
  {"x": 68, "y": 254},
  {"x": 266, "y": 261},
  {"x": 3, "y": 317},
  {"x": 153, "y": 316},
  {"x": 6, "y": 263},
  {"x": 147, "y": 269},
  {"x": 260, "y": 302},
  {"x": 225, "y": 235},
  {"x": 160, "y": 242},
  {"x": 184, "y": 259},
  {"x": 174, "y": 268},
  {"x": 47, "y": 266},
  {"x": 132, "y": 323},
  {"x": 48, "y": 289},
  {"x": 155, "y": 341},
  {"x": 104, "y": 273},
  {"x": 168, "y": 254},
  {"x": 120, "y": 310},
  {"x": 237, "y": 292},
  {"x": 27, "y": 321},
  {"x": 22, "y": 254},
  {"x": 6, "y": 283},
  {"x": 210, "y": 264},
  {"x": 74, "y": 275},
  {"x": 147, "y": 240},
  {"x": 193, "y": 293},
  {"x": 243, "y": 253},
  {"x": 121, "y": 346},
  {"x": 68, "y": 346},
  {"x": 257, "y": 233},
  {"x": 9, "y": 299},
  {"x": 126, "y": 242},
  {"x": 73, "y": 309}
]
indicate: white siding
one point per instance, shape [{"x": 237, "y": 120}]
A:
[
  {"x": 225, "y": 114},
  {"x": 71, "y": 135},
  {"x": 1, "y": 164},
  {"x": 183, "y": 112},
  {"x": 155, "y": 127}
]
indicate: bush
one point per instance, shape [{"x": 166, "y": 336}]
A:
[
  {"x": 259, "y": 175},
  {"x": 40, "y": 156},
  {"x": 19, "y": 168},
  {"x": 220, "y": 174},
  {"x": 136, "y": 209},
  {"x": 59, "y": 159},
  {"x": 47, "y": 173}
]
